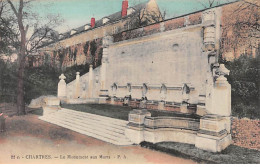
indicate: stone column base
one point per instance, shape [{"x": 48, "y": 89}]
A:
[
  {"x": 214, "y": 134},
  {"x": 213, "y": 143}
]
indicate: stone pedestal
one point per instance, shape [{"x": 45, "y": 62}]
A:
[
  {"x": 62, "y": 87},
  {"x": 161, "y": 105},
  {"x": 201, "y": 110},
  {"x": 214, "y": 134},
  {"x": 220, "y": 99},
  {"x": 184, "y": 108},
  {"x": 135, "y": 127},
  {"x": 52, "y": 105}
]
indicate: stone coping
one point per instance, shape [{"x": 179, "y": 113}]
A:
[
  {"x": 173, "y": 118},
  {"x": 139, "y": 112}
]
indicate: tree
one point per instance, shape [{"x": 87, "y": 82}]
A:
[
  {"x": 7, "y": 33},
  {"x": 145, "y": 16},
  {"x": 31, "y": 31},
  {"x": 241, "y": 29}
]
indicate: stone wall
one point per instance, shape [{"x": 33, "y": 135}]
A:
[
  {"x": 84, "y": 82},
  {"x": 171, "y": 58},
  {"x": 245, "y": 133}
]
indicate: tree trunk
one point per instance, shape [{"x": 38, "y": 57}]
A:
[
  {"x": 21, "y": 57},
  {"x": 21, "y": 67},
  {"x": 20, "y": 86}
]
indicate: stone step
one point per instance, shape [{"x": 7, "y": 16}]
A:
[
  {"x": 90, "y": 132},
  {"x": 103, "y": 128},
  {"x": 94, "y": 122},
  {"x": 79, "y": 130},
  {"x": 93, "y": 126},
  {"x": 97, "y": 117}
]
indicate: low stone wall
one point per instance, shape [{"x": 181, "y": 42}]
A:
[{"x": 245, "y": 133}]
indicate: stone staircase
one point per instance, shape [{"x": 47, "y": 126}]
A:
[{"x": 103, "y": 128}]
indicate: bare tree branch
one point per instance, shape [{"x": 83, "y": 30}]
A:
[{"x": 13, "y": 8}]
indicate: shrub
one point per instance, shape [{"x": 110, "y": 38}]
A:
[{"x": 244, "y": 80}]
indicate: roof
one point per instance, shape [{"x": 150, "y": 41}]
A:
[{"x": 112, "y": 18}]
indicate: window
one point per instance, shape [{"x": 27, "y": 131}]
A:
[
  {"x": 114, "y": 30},
  {"x": 130, "y": 11},
  {"x": 129, "y": 25},
  {"x": 72, "y": 32},
  {"x": 105, "y": 20},
  {"x": 87, "y": 27}
]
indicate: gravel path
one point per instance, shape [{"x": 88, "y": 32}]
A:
[{"x": 30, "y": 140}]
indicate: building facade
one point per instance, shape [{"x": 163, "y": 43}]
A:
[{"x": 84, "y": 44}]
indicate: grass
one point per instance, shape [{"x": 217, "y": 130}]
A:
[
  {"x": 119, "y": 112},
  {"x": 231, "y": 155}
]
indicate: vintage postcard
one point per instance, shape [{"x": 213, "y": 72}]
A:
[{"x": 129, "y": 82}]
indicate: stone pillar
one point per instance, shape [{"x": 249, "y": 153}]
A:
[
  {"x": 135, "y": 127},
  {"x": 221, "y": 94},
  {"x": 103, "y": 69},
  {"x": 62, "y": 87},
  {"x": 103, "y": 87},
  {"x": 214, "y": 134},
  {"x": 77, "y": 89},
  {"x": 90, "y": 82}
]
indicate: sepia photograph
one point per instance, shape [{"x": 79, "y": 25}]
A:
[{"x": 129, "y": 82}]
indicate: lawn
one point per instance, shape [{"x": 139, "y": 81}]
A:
[{"x": 119, "y": 112}]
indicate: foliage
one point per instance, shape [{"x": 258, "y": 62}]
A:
[
  {"x": 8, "y": 81},
  {"x": 86, "y": 47},
  {"x": 40, "y": 81},
  {"x": 70, "y": 72},
  {"x": 244, "y": 79}
]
